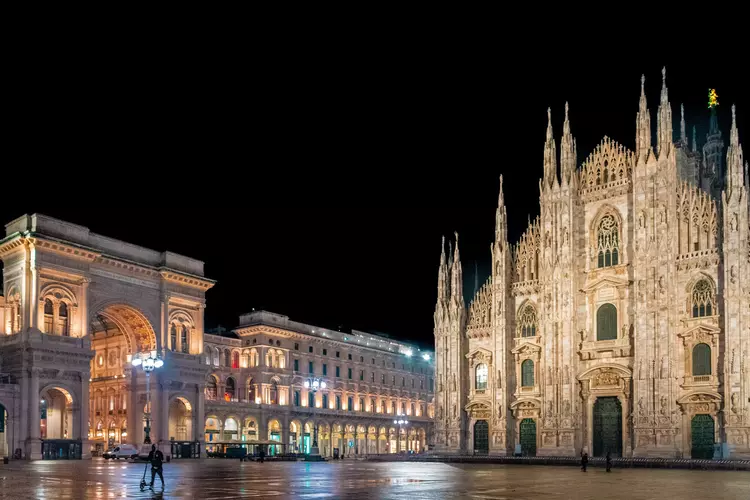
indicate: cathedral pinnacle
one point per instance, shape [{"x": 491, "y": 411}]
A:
[
  {"x": 643, "y": 125},
  {"x": 550, "y": 154},
  {"x": 664, "y": 123},
  {"x": 501, "y": 228},
  {"x": 735, "y": 166},
  {"x": 567, "y": 151},
  {"x": 695, "y": 140}
]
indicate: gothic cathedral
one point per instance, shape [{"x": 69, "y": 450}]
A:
[{"x": 620, "y": 322}]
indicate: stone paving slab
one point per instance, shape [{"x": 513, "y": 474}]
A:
[{"x": 231, "y": 479}]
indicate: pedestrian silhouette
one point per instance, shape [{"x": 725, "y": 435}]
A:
[
  {"x": 609, "y": 462},
  {"x": 584, "y": 460}
]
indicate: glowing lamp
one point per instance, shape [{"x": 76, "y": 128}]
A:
[{"x": 426, "y": 357}]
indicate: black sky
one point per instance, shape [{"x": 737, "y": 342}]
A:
[{"x": 317, "y": 182}]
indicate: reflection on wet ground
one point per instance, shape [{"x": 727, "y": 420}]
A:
[{"x": 227, "y": 479}]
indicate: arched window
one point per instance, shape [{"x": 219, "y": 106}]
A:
[
  {"x": 184, "y": 344},
  {"x": 606, "y": 322},
  {"x": 244, "y": 359},
  {"x": 481, "y": 377},
  {"x": 208, "y": 355},
  {"x": 49, "y": 316},
  {"x": 227, "y": 358},
  {"x": 173, "y": 338},
  {"x": 235, "y": 360},
  {"x": 527, "y": 322},
  {"x": 703, "y": 299},
  {"x": 527, "y": 373},
  {"x": 216, "y": 356},
  {"x": 274, "y": 393},
  {"x": 62, "y": 320},
  {"x": 608, "y": 242},
  {"x": 229, "y": 390},
  {"x": 281, "y": 359},
  {"x": 253, "y": 358},
  {"x": 701, "y": 360}
]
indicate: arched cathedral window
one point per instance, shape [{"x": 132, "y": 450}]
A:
[
  {"x": 527, "y": 373},
  {"x": 606, "y": 322},
  {"x": 608, "y": 242},
  {"x": 703, "y": 299},
  {"x": 481, "y": 377},
  {"x": 527, "y": 321},
  {"x": 701, "y": 360}
]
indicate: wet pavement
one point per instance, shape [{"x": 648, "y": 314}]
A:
[{"x": 227, "y": 479}]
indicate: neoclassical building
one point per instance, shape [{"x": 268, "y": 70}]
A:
[
  {"x": 77, "y": 306},
  {"x": 620, "y": 321},
  {"x": 255, "y": 389}
]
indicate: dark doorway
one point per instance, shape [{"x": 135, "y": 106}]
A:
[
  {"x": 607, "y": 427},
  {"x": 481, "y": 437},
  {"x": 702, "y": 437},
  {"x": 528, "y": 437}
]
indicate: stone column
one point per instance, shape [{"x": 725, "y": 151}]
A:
[
  {"x": 199, "y": 417},
  {"x": 134, "y": 433},
  {"x": 23, "y": 422},
  {"x": 164, "y": 412},
  {"x": 83, "y": 415},
  {"x": 84, "y": 308},
  {"x": 33, "y": 443}
]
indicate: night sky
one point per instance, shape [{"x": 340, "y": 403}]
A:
[{"x": 318, "y": 185}]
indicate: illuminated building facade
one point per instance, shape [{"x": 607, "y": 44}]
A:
[
  {"x": 620, "y": 322},
  {"x": 255, "y": 390}
]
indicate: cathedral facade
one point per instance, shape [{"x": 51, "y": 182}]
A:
[{"x": 620, "y": 321}]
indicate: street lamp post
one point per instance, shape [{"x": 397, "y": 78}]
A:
[
  {"x": 400, "y": 423},
  {"x": 314, "y": 385},
  {"x": 149, "y": 361}
]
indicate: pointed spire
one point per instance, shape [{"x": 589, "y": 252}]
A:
[
  {"x": 735, "y": 169},
  {"x": 567, "y": 151},
  {"x": 695, "y": 140},
  {"x": 664, "y": 122},
  {"x": 550, "y": 154},
  {"x": 442, "y": 277},
  {"x": 643, "y": 125},
  {"x": 501, "y": 217},
  {"x": 713, "y": 124},
  {"x": 457, "y": 287},
  {"x": 683, "y": 133}
]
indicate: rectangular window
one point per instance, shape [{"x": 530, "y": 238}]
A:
[
  {"x": 394, "y": 365},
  {"x": 412, "y": 383},
  {"x": 372, "y": 377},
  {"x": 338, "y": 354},
  {"x": 412, "y": 409},
  {"x": 350, "y": 373},
  {"x": 372, "y": 404},
  {"x": 393, "y": 407},
  {"x": 296, "y": 398},
  {"x": 382, "y": 378},
  {"x": 350, "y": 404},
  {"x": 361, "y": 374},
  {"x": 431, "y": 384},
  {"x": 325, "y": 369},
  {"x": 403, "y": 381},
  {"x": 373, "y": 361},
  {"x": 421, "y": 383},
  {"x": 403, "y": 408},
  {"x": 338, "y": 402},
  {"x": 311, "y": 400},
  {"x": 296, "y": 365},
  {"x": 310, "y": 349},
  {"x": 296, "y": 346},
  {"x": 325, "y": 352},
  {"x": 310, "y": 367},
  {"x": 338, "y": 371},
  {"x": 325, "y": 401},
  {"x": 393, "y": 380},
  {"x": 361, "y": 359},
  {"x": 361, "y": 404},
  {"x": 350, "y": 356}
]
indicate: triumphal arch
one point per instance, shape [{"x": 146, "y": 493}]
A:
[{"x": 77, "y": 307}]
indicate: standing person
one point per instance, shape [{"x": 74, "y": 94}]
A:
[
  {"x": 156, "y": 457},
  {"x": 262, "y": 454},
  {"x": 609, "y": 462},
  {"x": 584, "y": 460}
]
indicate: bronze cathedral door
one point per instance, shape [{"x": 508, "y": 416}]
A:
[{"x": 607, "y": 427}]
